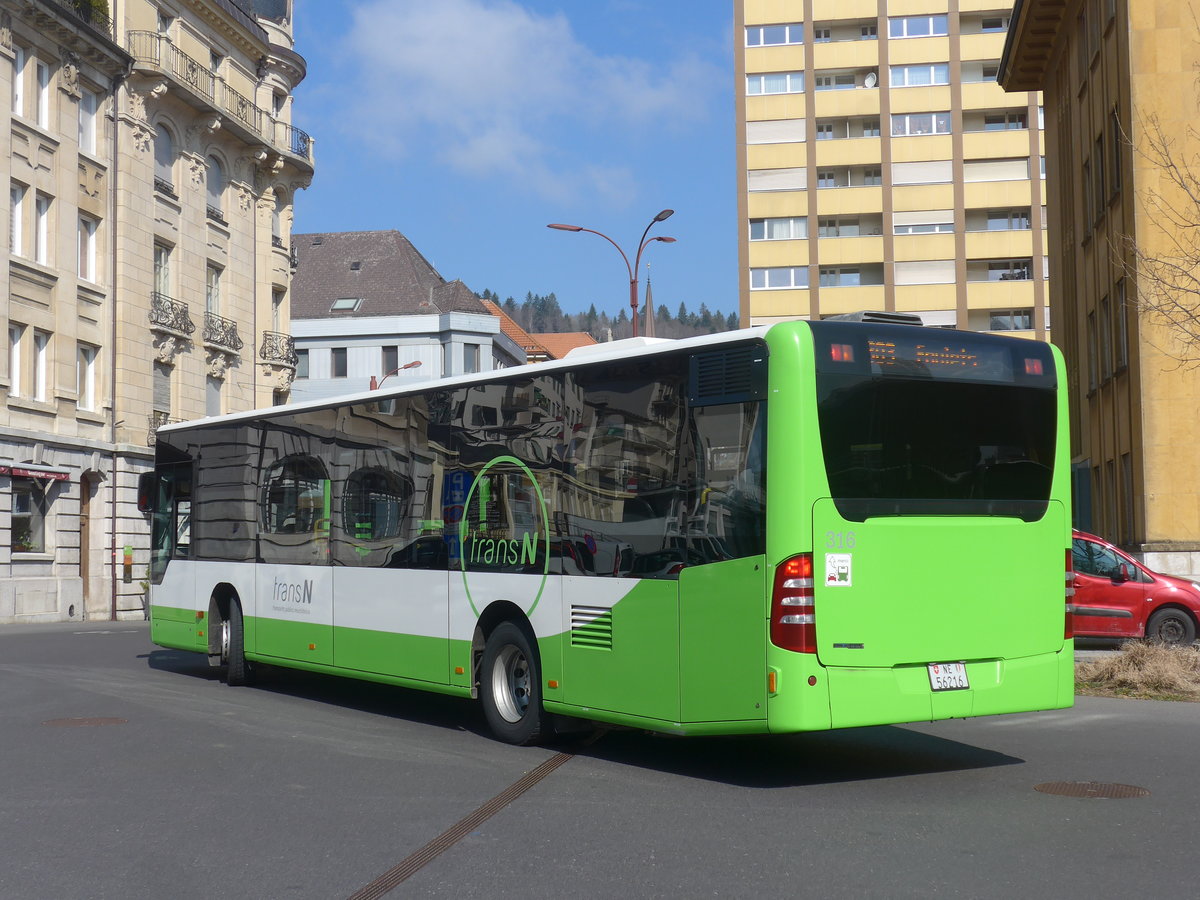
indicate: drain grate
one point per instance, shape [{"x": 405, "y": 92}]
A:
[
  {"x": 1092, "y": 790},
  {"x": 83, "y": 722}
]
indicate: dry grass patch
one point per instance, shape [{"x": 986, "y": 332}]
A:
[{"x": 1145, "y": 671}]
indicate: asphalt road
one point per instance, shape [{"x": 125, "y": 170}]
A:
[{"x": 132, "y": 772}]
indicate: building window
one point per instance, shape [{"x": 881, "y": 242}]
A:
[
  {"x": 18, "y": 80},
  {"x": 843, "y": 81},
  {"x": 162, "y": 269},
  {"x": 872, "y": 176},
  {"x": 1009, "y": 120},
  {"x": 89, "y": 104},
  {"x": 87, "y": 248},
  {"x": 1115, "y": 151},
  {"x": 161, "y": 398},
  {"x": 212, "y": 290},
  {"x": 277, "y": 295},
  {"x": 840, "y": 276},
  {"x": 41, "y": 232},
  {"x": 470, "y": 358},
  {"x": 920, "y": 123},
  {"x": 85, "y": 371},
  {"x": 870, "y": 128},
  {"x": 778, "y": 278},
  {"x": 214, "y": 182},
  {"x": 1105, "y": 340},
  {"x": 868, "y": 32},
  {"x": 277, "y": 219},
  {"x": 914, "y": 76},
  {"x": 345, "y": 304},
  {"x": 918, "y": 26},
  {"x": 1008, "y": 219},
  {"x": 773, "y": 35},
  {"x": 41, "y": 366},
  {"x": 42, "y": 72},
  {"x": 775, "y": 83},
  {"x": 16, "y": 340},
  {"x": 164, "y": 161},
  {"x": 822, "y": 35},
  {"x": 825, "y": 131},
  {"x": 838, "y": 227},
  {"x": 1011, "y": 320},
  {"x": 993, "y": 24},
  {"x": 923, "y": 228},
  {"x": 391, "y": 360},
  {"x": 1009, "y": 269},
  {"x": 28, "y": 516},
  {"x": 1122, "y": 342},
  {"x": 301, "y": 363},
  {"x": 1093, "y": 352},
  {"x": 337, "y": 364},
  {"x": 212, "y": 396},
  {"x": 827, "y": 178},
  {"x": 784, "y": 228},
  {"x": 16, "y": 219}
]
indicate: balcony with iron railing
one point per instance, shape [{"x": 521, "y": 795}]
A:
[
  {"x": 211, "y": 92},
  {"x": 278, "y": 349},
  {"x": 221, "y": 333},
  {"x": 170, "y": 315}
]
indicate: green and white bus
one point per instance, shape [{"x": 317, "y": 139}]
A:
[{"x": 804, "y": 526}]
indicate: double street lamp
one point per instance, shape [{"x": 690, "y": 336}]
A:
[{"x": 633, "y": 278}]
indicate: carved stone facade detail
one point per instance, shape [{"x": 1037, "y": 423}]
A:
[
  {"x": 281, "y": 377},
  {"x": 165, "y": 349},
  {"x": 6, "y": 29},
  {"x": 218, "y": 363},
  {"x": 68, "y": 81},
  {"x": 197, "y": 169}
]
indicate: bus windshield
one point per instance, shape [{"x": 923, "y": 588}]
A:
[{"x": 892, "y": 446}]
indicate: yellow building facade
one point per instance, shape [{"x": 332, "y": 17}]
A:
[
  {"x": 1115, "y": 73},
  {"x": 882, "y": 167}
]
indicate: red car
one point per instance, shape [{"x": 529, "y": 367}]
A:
[{"x": 1118, "y": 597}]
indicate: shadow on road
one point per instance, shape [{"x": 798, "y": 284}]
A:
[
  {"x": 758, "y": 761},
  {"x": 772, "y": 761}
]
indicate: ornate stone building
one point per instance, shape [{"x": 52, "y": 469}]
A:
[{"x": 152, "y": 169}]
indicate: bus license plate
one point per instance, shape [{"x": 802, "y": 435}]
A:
[{"x": 948, "y": 676}]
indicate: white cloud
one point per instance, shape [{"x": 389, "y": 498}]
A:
[{"x": 493, "y": 89}]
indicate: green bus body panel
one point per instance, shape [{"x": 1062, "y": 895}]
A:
[
  {"x": 307, "y": 642},
  {"x": 388, "y": 653},
  {"x": 176, "y": 628},
  {"x": 722, "y": 641},
  {"x": 639, "y": 674},
  {"x": 933, "y": 589}
]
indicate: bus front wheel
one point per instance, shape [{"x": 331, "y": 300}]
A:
[
  {"x": 510, "y": 686},
  {"x": 238, "y": 669}
]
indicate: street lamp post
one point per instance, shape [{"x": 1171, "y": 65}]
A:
[
  {"x": 633, "y": 278},
  {"x": 375, "y": 384}
]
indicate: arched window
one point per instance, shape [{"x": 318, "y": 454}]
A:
[
  {"x": 295, "y": 497},
  {"x": 215, "y": 184},
  {"x": 164, "y": 159},
  {"x": 375, "y": 503}
]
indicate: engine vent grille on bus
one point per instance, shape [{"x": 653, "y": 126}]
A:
[
  {"x": 735, "y": 375},
  {"x": 591, "y": 626}
]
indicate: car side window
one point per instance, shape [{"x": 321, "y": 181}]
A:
[{"x": 1092, "y": 559}]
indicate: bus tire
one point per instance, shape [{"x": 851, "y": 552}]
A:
[
  {"x": 238, "y": 670},
  {"x": 510, "y": 686},
  {"x": 1171, "y": 627}
]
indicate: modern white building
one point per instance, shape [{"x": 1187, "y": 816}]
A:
[{"x": 367, "y": 306}]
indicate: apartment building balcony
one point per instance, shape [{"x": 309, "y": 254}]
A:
[
  {"x": 86, "y": 12},
  {"x": 154, "y": 53},
  {"x": 278, "y": 349},
  {"x": 170, "y": 316},
  {"x": 221, "y": 333}
]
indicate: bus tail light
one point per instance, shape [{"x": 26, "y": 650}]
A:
[
  {"x": 793, "y": 617},
  {"x": 1069, "y": 623}
]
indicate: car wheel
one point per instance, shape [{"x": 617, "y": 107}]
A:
[
  {"x": 238, "y": 669},
  {"x": 1171, "y": 627},
  {"x": 510, "y": 686}
]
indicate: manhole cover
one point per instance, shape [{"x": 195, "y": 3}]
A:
[
  {"x": 82, "y": 722},
  {"x": 1092, "y": 790}
]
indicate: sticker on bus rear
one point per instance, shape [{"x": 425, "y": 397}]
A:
[{"x": 837, "y": 569}]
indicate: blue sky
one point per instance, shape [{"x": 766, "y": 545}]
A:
[{"x": 469, "y": 125}]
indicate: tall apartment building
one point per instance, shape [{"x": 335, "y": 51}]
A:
[
  {"x": 1119, "y": 77},
  {"x": 152, "y": 165},
  {"x": 883, "y": 168}
]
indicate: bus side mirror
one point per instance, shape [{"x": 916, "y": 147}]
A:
[{"x": 145, "y": 492}]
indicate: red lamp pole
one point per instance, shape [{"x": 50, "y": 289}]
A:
[{"x": 632, "y": 270}]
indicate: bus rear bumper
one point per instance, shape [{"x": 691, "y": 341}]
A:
[{"x": 904, "y": 693}]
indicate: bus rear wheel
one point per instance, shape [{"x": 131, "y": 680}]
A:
[
  {"x": 1171, "y": 627},
  {"x": 510, "y": 686},
  {"x": 238, "y": 670}
]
